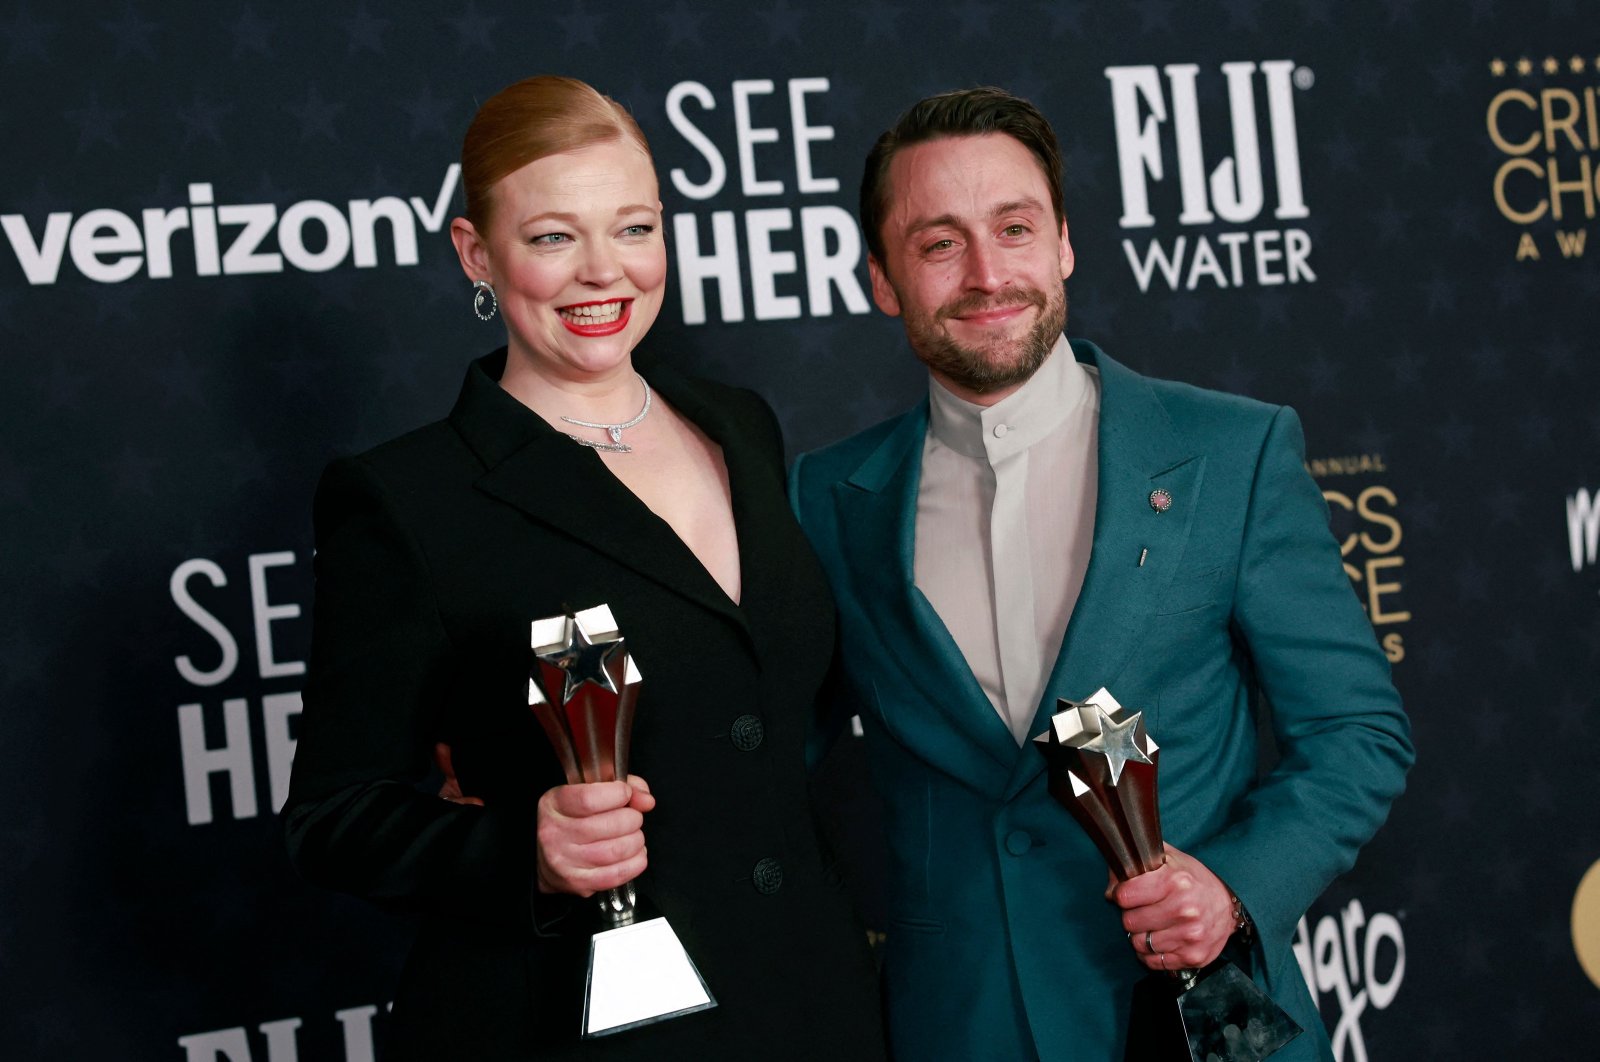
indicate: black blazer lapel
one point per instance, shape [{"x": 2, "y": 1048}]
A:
[{"x": 537, "y": 470}]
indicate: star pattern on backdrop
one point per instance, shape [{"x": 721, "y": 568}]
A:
[
  {"x": 1154, "y": 15},
  {"x": 1244, "y": 16},
  {"x": 27, "y": 37},
  {"x": 316, "y": 115},
  {"x": 96, "y": 123},
  {"x": 581, "y": 26},
  {"x": 78, "y": 564},
  {"x": 364, "y": 31},
  {"x": 1066, "y": 17},
  {"x": 430, "y": 114},
  {"x": 682, "y": 24},
  {"x": 1401, "y": 12},
  {"x": 203, "y": 119},
  {"x": 973, "y": 19},
  {"x": 252, "y": 34},
  {"x": 474, "y": 30},
  {"x": 784, "y": 23},
  {"x": 131, "y": 34}
]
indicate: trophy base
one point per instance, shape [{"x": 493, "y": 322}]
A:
[
  {"x": 1221, "y": 1017},
  {"x": 639, "y": 974}
]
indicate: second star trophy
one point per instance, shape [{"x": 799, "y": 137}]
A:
[
  {"x": 583, "y": 687},
  {"x": 1102, "y": 769}
]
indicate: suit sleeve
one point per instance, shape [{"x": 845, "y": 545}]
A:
[
  {"x": 1344, "y": 742},
  {"x": 381, "y": 665}
]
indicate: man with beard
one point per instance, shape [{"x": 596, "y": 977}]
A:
[{"x": 1049, "y": 522}]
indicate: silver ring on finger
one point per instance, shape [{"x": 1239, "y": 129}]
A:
[
  {"x": 1163, "y": 957},
  {"x": 1149, "y": 947}
]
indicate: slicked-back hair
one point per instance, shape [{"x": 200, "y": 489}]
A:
[
  {"x": 531, "y": 120},
  {"x": 964, "y": 112}
]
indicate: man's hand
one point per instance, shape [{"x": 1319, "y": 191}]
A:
[
  {"x": 590, "y": 836},
  {"x": 1179, "y": 916}
]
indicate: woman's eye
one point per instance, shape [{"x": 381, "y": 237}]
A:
[
  {"x": 550, "y": 239},
  {"x": 638, "y": 230}
]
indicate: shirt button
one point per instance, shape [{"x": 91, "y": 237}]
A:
[
  {"x": 1018, "y": 842},
  {"x": 767, "y": 876},
  {"x": 1000, "y": 431},
  {"x": 747, "y": 733}
]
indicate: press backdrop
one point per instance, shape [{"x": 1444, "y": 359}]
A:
[{"x": 225, "y": 260}]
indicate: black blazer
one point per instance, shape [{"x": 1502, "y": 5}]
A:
[{"x": 434, "y": 551}]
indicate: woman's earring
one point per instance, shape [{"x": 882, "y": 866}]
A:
[{"x": 483, "y": 296}]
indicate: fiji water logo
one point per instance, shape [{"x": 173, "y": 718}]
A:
[{"x": 1157, "y": 120}]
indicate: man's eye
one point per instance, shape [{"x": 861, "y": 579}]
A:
[
  {"x": 1015, "y": 230},
  {"x": 939, "y": 245}
]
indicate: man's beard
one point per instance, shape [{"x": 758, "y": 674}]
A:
[{"x": 1000, "y": 363}]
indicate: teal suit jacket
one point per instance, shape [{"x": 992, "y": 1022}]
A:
[{"x": 1000, "y": 945}]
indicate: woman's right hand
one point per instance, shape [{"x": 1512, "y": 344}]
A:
[{"x": 590, "y": 836}]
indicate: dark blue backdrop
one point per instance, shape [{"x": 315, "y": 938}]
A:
[{"x": 223, "y": 263}]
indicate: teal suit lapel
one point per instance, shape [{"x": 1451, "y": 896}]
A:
[
  {"x": 1138, "y": 453},
  {"x": 945, "y": 718}
]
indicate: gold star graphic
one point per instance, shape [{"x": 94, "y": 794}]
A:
[
  {"x": 1524, "y": 66},
  {"x": 1497, "y": 67},
  {"x": 1550, "y": 65},
  {"x": 1576, "y": 64}
]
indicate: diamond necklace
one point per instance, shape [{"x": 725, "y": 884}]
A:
[{"x": 616, "y": 445}]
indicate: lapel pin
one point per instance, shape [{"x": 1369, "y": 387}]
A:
[{"x": 1160, "y": 500}]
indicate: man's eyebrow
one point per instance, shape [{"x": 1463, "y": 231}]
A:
[
  {"x": 942, "y": 221},
  {"x": 1024, "y": 205},
  {"x": 1019, "y": 206}
]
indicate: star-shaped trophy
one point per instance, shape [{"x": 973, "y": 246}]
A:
[
  {"x": 582, "y": 687},
  {"x": 1102, "y": 769}
]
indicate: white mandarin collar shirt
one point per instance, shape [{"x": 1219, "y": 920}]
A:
[{"x": 1005, "y": 521}]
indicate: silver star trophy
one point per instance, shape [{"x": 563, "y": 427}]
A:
[
  {"x": 1102, "y": 769},
  {"x": 582, "y": 687}
]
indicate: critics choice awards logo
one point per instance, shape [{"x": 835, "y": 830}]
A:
[
  {"x": 1222, "y": 177},
  {"x": 1544, "y": 122},
  {"x": 1366, "y": 520}
]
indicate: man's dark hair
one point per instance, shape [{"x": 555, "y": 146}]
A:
[{"x": 964, "y": 112}]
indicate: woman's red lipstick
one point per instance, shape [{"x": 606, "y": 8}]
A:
[{"x": 580, "y": 326}]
